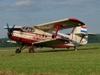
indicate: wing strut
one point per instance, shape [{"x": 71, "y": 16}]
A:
[{"x": 57, "y": 28}]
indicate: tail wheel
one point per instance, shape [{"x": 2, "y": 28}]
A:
[
  {"x": 18, "y": 51},
  {"x": 75, "y": 48}
]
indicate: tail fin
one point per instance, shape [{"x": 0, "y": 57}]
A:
[{"x": 79, "y": 35}]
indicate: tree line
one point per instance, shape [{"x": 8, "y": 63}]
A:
[
  {"x": 4, "y": 43},
  {"x": 94, "y": 39}
]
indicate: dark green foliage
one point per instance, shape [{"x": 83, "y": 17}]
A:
[
  {"x": 4, "y": 43},
  {"x": 94, "y": 39}
]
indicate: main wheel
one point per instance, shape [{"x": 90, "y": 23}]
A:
[
  {"x": 31, "y": 50},
  {"x": 67, "y": 47},
  {"x": 18, "y": 51}
]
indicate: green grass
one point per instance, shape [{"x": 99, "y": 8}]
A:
[{"x": 85, "y": 61}]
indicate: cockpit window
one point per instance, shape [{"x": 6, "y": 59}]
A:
[{"x": 28, "y": 29}]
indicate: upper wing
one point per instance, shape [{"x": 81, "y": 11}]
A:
[
  {"x": 15, "y": 28},
  {"x": 65, "y": 23}
]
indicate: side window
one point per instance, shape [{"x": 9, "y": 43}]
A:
[
  {"x": 28, "y": 29},
  {"x": 31, "y": 29}
]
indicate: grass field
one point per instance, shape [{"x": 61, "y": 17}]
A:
[{"x": 46, "y": 61}]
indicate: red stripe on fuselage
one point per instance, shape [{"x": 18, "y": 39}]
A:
[{"x": 17, "y": 39}]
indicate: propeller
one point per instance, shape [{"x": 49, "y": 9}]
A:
[{"x": 10, "y": 29}]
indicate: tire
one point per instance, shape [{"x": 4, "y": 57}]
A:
[
  {"x": 17, "y": 51},
  {"x": 31, "y": 50}
]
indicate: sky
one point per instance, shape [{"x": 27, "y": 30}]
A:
[{"x": 34, "y": 12}]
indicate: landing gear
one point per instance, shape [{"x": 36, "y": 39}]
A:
[
  {"x": 18, "y": 51},
  {"x": 31, "y": 49},
  {"x": 75, "y": 48},
  {"x": 67, "y": 47}
]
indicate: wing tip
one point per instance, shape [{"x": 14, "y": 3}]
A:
[{"x": 76, "y": 20}]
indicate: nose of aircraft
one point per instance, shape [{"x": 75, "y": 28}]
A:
[{"x": 10, "y": 30}]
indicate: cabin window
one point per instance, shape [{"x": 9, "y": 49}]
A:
[{"x": 28, "y": 29}]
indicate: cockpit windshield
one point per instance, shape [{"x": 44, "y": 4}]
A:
[{"x": 28, "y": 29}]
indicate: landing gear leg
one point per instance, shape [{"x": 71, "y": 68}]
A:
[
  {"x": 31, "y": 49},
  {"x": 19, "y": 49},
  {"x": 67, "y": 47},
  {"x": 75, "y": 48}
]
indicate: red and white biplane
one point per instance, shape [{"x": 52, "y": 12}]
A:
[{"x": 40, "y": 35}]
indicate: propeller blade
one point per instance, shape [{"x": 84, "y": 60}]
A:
[
  {"x": 8, "y": 27},
  {"x": 12, "y": 28}
]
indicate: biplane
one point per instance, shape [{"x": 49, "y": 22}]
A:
[{"x": 41, "y": 35}]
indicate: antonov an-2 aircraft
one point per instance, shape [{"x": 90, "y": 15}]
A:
[{"x": 40, "y": 35}]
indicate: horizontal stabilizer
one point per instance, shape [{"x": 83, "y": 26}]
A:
[
  {"x": 83, "y": 34},
  {"x": 91, "y": 34}
]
